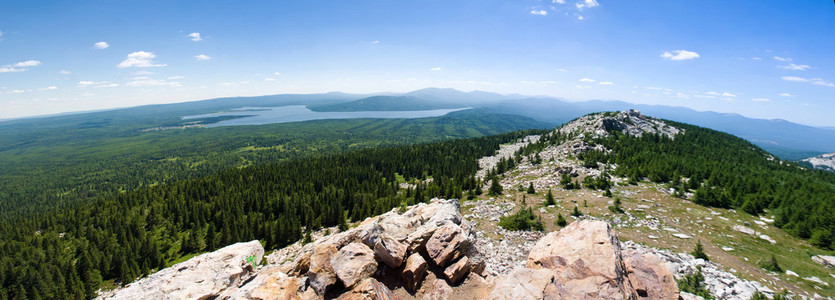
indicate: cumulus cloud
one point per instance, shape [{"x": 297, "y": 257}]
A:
[
  {"x": 202, "y": 57},
  {"x": 65, "y": 72},
  {"x": 785, "y": 59},
  {"x": 795, "y": 67},
  {"x": 140, "y": 59},
  {"x": 606, "y": 83},
  {"x": 49, "y": 88},
  {"x": 175, "y": 77},
  {"x": 786, "y": 95},
  {"x": 540, "y": 12},
  {"x": 680, "y": 55},
  {"x": 558, "y": 1},
  {"x": 587, "y": 4},
  {"x": 195, "y": 36},
  {"x": 587, "y": 80},
  {"x": 726, "y": 94},
  {"x": 823, "y": 83},
  {"x": 101, "y": 45},
  {"x": 760, "y": 100},
  {"x": 9, "y": 69},
  {"x": 435, "y": 69}
]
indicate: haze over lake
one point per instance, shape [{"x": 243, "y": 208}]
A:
[{"x": 298, "y": 113}]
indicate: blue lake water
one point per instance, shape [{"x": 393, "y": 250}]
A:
[{"x": 298, "y": 113}]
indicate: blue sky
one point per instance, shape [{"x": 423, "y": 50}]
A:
[{"x": 763, "y": 59}]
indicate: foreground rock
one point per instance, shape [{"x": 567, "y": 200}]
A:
[
  {"x": 584, "y": 261},
  {"x": 201, "y": 277}
]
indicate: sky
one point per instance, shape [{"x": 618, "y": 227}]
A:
[{"x": 761, "y": 59}]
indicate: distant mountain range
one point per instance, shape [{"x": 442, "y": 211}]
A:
[{"x": 785, "y": 139}]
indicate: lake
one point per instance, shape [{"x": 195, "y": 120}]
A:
[{"x": 298, "y": 113}]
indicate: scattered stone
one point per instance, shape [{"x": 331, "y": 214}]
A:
[
  {"x": 390, "y": 251},
  {"x": 455, "y": 272},
  {"x": 682, "y": 236},
  {"x": 745, "y": 230},
  {"x": 791, "y": 273},
  {"x": 368, "y": 289},
  {"x": 826, "y": 261},
  {"x": 768, "y": 238},
  {"x": 444, "y": 244},
  {"x": 816, "y": 280},
  {"x": 726, "y": 249}
]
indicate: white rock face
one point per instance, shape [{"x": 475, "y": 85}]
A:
[
  {"x": 823, "y": 162},
  {"x": 201, "y": 277},
  {"x": 630, "y": 122},
  {"x": 826, "y": 261}
]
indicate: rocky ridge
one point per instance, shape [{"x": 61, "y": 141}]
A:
[
  {"x": 432, "y": 251},
  {"x": 630, "y": 122}
]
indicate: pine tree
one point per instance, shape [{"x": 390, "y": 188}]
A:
[
  {"x": 576, "y": 212},
  {"x": 699, "y": 251},
  {"x": 531, "y": 189},
  {"x": 495, "y": 187},
  {"x": 560, "y": 221},
  {"x": 549, "y": 198}
]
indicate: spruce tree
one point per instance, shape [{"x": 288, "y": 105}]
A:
[
  {"x": 531, "y": 189},
  {"x": 549, "y": 198}
]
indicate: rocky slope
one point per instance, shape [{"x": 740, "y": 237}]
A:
[{"x": 823, "y": 162}]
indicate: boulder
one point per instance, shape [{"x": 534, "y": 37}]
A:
[
  {"x": 368, "y": 289},
  {"x": 390, "y": 251},
  {"x": 455, "y": 272},
  {"x": 203, "y": 276},
  {"x": 586, "y": 261},
  {"x": 689, "y": 296},
  {"x": 522, "y": 284},
  {"x": 826, "y": 261},
  {"x": 267, "y": 284},
  {"x": 413, "y": 272},
  {"x": 650, "y": 278},
  {"x": 744, "y": 229},
  {"x": 416, "y": 241},
  {"x": 445, "y": 244},
  {"x": 321, "y": 273},
  {"x": 447, "y": 211},
  {"x": 353, "y": 263}
]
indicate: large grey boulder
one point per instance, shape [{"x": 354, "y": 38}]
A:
[
  {"x": 204, "y": 276},
  {"x": 826, "y": 261}
]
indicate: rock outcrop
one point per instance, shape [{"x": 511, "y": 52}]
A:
[
  {"x": 583, "y": 261},
  {"x": 201, "y": 277}
]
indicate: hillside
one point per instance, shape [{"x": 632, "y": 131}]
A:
[{"x": 565, "y": 182}]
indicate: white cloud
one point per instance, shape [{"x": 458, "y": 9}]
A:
[
  {"x": 195, "y": 36},
  {"x": 101, "y": 45},
  {"x": 19, "y": 67},
  {"x": 540, "y": 12},
  {"x": 726, "y": 94},
  {"x": 795, "y": 79},
  {"x": 795, "y": 67},
  {"x": 65, "y": 72},
  {"x": 145, "y": 81},
  {"x": 653, "y": 88},
  {"x": 143, "y": 72},
  {"x": 16, "y": 92},
  {"x": 140, "y": 59},
  {"x": 587, "y": 80},
  {"x": 175, "y": 77},
  {"x": 8, "y": 69},
  {"x": 760, "y": 100},
  {"x": 580, "y": 17},
  {"x": 786, "y": 59},
  {"x": 269, "y": 79},
  {"x": 96, "y": 84},
  {"x": 786, "y": 95},
  {"x": 680, "y": 55},
  {"x": 606, "y": 83},
  {"x": 28, "y": 63},
  {"x": 703, "y": 96},
  {"x": 277, "y": 73},
  {"x": 375, "y": 42},
  {"x": 202, "y": 57},
  {"x": 714, "y": 93},
  {"x": 435, "y": 69},
  {"x": 756, "y": 58},
  {"x": 587, "y": 4},
  {"x": 558, "y": 1},
  {"x": 823, "y": 83},
  {"x": 49, "y": 88}
]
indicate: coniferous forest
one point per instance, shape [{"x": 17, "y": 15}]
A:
[{"x": 69, "y": 253}]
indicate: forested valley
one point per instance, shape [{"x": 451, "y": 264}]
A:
[{"x": 70, "y": 253}]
